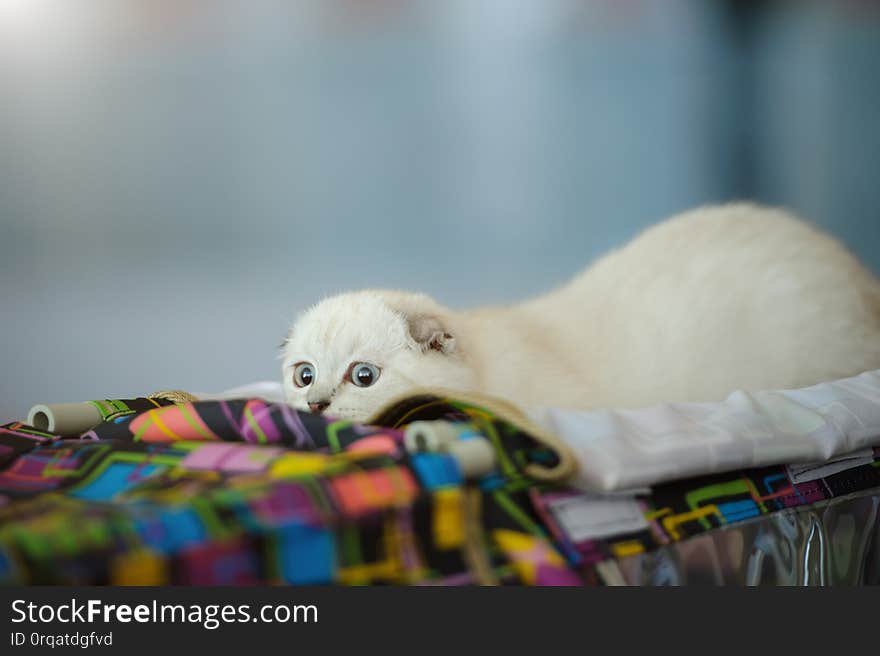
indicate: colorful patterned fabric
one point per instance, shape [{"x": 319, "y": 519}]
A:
[{"x": 244, "y": 492}]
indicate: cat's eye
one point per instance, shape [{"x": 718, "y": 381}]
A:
[
  {"x": 363, "y": 374},
  {"x": 303, "y": 374}
]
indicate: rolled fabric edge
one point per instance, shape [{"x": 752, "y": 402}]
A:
[
  {"x": 473, "y": 452},
  {"x": 64, "y": 418},
  {"x": 429, "y": 435},
  {"x": 475, "y": 456}
]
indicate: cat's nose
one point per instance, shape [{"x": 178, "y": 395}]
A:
[{"x": 318, "y": 406}]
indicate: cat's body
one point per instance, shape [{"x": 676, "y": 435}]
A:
[{"x": 713, "y": 300}]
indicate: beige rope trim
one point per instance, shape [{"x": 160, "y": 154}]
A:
[
  {"x": 175, "y": 396},
  {"x": 474, "y": 550},
  {"x": 611, "y": 573},
  {"x": 398, "y": 409}
]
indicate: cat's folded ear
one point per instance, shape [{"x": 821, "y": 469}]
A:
[{"x": 430, "y": 334}]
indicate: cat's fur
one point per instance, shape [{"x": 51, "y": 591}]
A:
[{"x": 714, "y": 300}]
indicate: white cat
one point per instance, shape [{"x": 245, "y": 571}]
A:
[{"x": 714, "y": 300}]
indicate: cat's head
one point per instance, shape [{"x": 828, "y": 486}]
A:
[{"x": 350, "y": 354}]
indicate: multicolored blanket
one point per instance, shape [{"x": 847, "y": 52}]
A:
[{"x": 248, "y": 492}]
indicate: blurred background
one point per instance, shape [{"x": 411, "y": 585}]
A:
[{"x": 178, "y": 178}]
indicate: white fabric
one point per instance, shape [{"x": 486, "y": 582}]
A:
[
  {"x": 620, "y": 449},
  {"x": 810, "y": 471},
  {"x": 267, "y": 390},
  {"x": 590, "y": 516}
]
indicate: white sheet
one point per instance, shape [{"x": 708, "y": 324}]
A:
[
  {"x": 270, "y": 391},
  {"x": 621, "y": 449}
]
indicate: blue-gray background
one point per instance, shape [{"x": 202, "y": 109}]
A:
[{"x": 179, "y": 177}]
